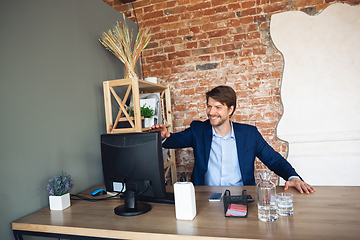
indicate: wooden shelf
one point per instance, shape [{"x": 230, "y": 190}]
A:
[{"x": 134, "y": 87}]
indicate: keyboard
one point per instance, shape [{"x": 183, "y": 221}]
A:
[{"x": 169, "y": 199}]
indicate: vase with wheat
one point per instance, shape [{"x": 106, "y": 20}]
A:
[{"x": 121, "y": 43}]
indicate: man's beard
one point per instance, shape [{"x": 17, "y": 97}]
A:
[{"x": 219, "y": 120}]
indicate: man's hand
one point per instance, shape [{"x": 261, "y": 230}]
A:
[
  {"x": 299, "y": 185},
  {"x": 160, "y": 127}
]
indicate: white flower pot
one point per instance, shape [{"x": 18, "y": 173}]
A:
[
  {"x": 148, "y": 122},
  {"x": 59, "y": 202},
  {"x": 151, "y": 79}
]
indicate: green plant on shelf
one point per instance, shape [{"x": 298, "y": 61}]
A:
[{"x": 146, "y": 111}]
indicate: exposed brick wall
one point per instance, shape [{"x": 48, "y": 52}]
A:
[{"x": 199, "y": 44}]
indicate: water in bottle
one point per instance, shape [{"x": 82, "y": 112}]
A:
[{"x": 266, "y": 198}]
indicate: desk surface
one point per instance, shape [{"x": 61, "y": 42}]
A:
[{"x": 330, "y": 213}]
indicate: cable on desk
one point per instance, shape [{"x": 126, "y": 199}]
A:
[
  {"x": 147, "y": 185},
  {"x": 79, "y": 197}
]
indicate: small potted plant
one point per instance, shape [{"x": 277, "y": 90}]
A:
[
  {"x": 146, "y": 111},
  {"x": 59, "y": 189}
]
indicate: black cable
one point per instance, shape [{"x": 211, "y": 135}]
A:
[
  {"x": 93, "y": 199},
  {"x": 98, "y": 199},
  {"x": 141, "y": 60},
  {"x": 147, "y": 183},
  {"x": 134, "y": 13},
  {"x": 139, "y": 193}
]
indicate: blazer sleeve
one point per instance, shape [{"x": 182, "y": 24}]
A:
[
  {"x": 272, "y": 159},
  {"x": 182, "y": 139}
]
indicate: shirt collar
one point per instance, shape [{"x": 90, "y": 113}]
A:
[{"x": 230, "y": 135}]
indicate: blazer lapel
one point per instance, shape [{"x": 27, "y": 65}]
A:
[
  {"x": 207, "y": 141},
  {"x": 240, "y": 146}
]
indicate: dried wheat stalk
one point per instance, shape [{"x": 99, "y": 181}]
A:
[{"x": 120, "y": 42}]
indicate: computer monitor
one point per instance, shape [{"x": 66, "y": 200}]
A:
[{"x": 133, "y": 164}]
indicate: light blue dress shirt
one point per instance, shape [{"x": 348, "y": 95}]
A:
[{"x": 223, "y": 166}]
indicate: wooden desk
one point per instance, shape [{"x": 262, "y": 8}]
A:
[{"x": 330, "y": 213}]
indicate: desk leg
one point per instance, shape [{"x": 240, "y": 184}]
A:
[{"x": 17, "y": 236}]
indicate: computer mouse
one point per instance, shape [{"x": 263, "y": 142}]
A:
[{"x": 99, "y": 192}]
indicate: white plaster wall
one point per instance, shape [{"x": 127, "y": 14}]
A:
[{"x": 321, "y": 92}]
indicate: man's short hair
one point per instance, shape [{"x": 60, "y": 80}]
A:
[{"x": 223, "y": 94}]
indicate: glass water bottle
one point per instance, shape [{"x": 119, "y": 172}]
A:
[{"x": 266, "y": 198}]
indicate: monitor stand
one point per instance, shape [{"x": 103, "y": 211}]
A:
[{"x": 131, "y": 207}]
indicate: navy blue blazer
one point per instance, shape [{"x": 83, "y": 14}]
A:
[{"x": 249, "y": 144}]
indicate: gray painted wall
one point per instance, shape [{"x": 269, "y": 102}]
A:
[{"x": 51, "y": 103}]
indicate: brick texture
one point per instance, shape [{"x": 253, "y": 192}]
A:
[{"x": 199, "y": 44}]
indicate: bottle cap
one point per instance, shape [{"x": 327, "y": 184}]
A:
[{"x": 182, "y": 177}]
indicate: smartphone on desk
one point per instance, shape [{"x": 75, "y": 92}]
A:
[{"x": 216, "y": 197}]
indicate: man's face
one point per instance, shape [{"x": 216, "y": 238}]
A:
[{"x": 217, "y": 112}]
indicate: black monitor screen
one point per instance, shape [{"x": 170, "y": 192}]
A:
[{"x": 131, "y": 161}]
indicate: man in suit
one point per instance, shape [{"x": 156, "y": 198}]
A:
[{"x": 224, "y": 150}]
